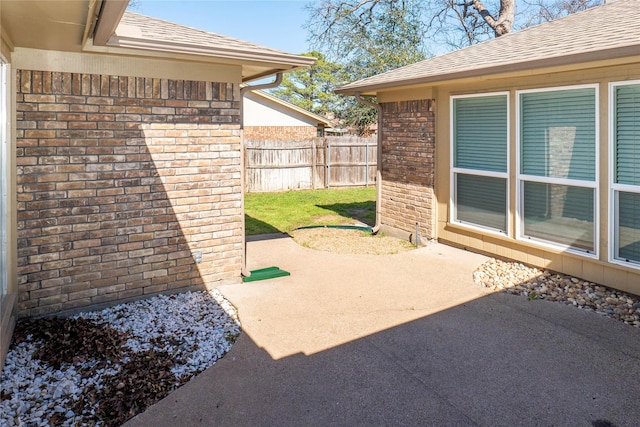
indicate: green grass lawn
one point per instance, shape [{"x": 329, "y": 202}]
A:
[{"x": 283, "y": 212}]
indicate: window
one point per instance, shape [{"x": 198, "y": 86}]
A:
[
  {"x": 479, "y": 158},
  {"x": 557, "y": 167},
  {"x": 4, "y": 152},
  {"x": 625, "y": 180}
]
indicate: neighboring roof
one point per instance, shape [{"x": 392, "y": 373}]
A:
[
  {"x": 148, "y": 33},
  {"x": 292, "y": 107},
  {"x": 604, "y": 32}
]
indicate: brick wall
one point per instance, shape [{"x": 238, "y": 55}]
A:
[
  {"x": 280, "y": 133},
  {"x": 408, "y": 168},
  {"x": 122, "y": 182}
]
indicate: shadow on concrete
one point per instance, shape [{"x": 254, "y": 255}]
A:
[
  {"x": 496, "y": 360},
  {"x": 270, "y": 236}
]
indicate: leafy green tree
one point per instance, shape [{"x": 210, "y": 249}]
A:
[
  {"x": 345, "y": 30},
  {"x": 370, "y": 42},
  {"x": 312, "y": 88}
]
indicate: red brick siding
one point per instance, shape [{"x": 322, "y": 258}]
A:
[
  {"x": 408, "y": 147},
  {"x": 120, "y": 182},
  {"x": 280, "y": 133}
]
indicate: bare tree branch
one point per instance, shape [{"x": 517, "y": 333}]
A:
[
  {"x": 548, "y": 10},
  {"x": 506, "y": 15}
]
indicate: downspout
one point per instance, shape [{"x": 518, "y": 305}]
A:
[
  {"x": 243, "y": 90},
  {"x": 378, "y": 108},
  {"x": 246, "y": 89}
]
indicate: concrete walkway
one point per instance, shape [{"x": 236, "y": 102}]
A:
[{"x": 407, "y": 339}]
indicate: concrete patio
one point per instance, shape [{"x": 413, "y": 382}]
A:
[{"x": 405, "y": 339}]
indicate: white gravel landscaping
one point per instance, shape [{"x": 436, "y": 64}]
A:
[{"x": 103, "y": 367}]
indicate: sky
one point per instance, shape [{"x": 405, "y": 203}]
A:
[{"x": 276, "y": 24}]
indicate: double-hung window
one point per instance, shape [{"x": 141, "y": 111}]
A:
[
  {"x": 479, "y": 157},
  {"x": 557, "y": 167},
  {"x": 625, "y": 170}
]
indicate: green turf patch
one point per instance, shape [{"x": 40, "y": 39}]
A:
[{"x": 283, "y": 212}]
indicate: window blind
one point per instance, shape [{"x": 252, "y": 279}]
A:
[
  {"x": 628, "y": 241},
  {"x": 558, "y": 134},
  {"x": 482, "y": 200},
  {"x": 480, "y": 133},
  {"x": 627, "y": 134},
  {"x": 559, "y": 213}
]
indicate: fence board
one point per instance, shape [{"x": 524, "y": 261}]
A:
[{"x": 314, "y": 163}]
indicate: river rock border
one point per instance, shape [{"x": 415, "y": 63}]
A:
[{"x": 534, "y": 283}]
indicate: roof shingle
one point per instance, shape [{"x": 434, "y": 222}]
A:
[
  {"x": 145, "y": 32},
  {"x": 165, "y": 31}
]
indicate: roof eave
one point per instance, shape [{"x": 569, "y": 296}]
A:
[
  {"x": 109, "y": 17},
  {"x": 575, "y": 59},
  {"x": 4, "y": 38},
  {"x": 265, "y": 63},
  {"x": 289, "y": 60}
]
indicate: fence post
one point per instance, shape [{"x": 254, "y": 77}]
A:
[
  {"x": 327, "y": 161},
  {"x": 366, "y": 162},
  {"x": 245, "y": 168},
  {"x": 314, "y": 163}
]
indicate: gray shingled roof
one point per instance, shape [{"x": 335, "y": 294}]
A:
[
  {"x": 135, "y": 29},
  {"x": 604, "y": 32}
]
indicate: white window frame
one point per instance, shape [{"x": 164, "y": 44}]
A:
[
  {"x": 5, "y": 71},
  {"x": 613, "y": 186},
  {"x": 522, "y": 178},
  {"x": 453, "y": 202}
]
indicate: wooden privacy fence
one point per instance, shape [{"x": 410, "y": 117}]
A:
[{"x": 314, "y": 163}]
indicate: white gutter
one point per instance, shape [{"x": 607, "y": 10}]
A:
[
  {"x": 378, "y": 108},
  {"x": 243, "y": 90},
  {"x": 122, "y": 40},
  {"x": 246, "y": 89}
]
